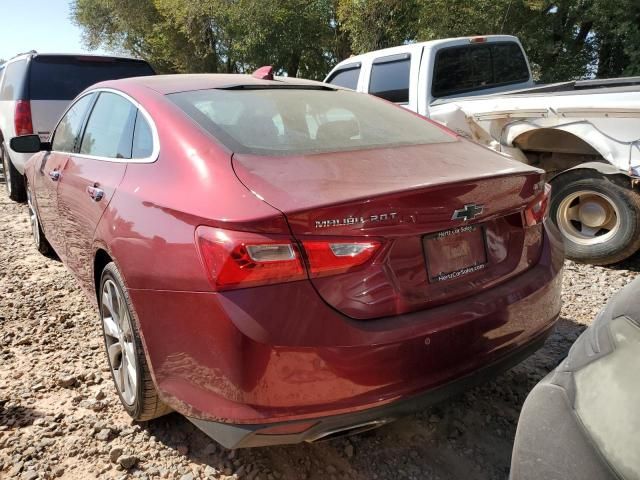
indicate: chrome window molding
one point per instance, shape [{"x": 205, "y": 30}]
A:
[{"x": 154, "y": 132}]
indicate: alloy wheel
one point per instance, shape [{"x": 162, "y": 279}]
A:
[
  {"x": 587, "y": 217},
  {"x": 118, "y": 334}
]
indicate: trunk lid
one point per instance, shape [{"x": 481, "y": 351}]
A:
[{"x": 406, "y": 198}]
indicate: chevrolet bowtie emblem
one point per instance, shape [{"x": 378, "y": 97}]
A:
[{"x": 469, "y": 212}]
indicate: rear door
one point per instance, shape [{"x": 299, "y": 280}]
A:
[
  {"x": 92, "y": 174},
  {"x": 49, "y": 171},
  {"x": 54, "y": 80}
]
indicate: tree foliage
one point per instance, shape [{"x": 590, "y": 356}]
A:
[{"x": 564, "y": 39}]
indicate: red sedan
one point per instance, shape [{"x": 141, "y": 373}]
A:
[{"x": 283, "y": 261}]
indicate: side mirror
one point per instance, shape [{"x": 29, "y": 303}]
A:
[{"x": 28, "y": 144}]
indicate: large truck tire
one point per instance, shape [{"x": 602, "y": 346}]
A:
[{"x": 599, "y": 219}]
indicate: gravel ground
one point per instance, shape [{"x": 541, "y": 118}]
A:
[{"x": 60, "y": 416}]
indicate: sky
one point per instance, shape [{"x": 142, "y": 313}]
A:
[{"x": 42, "y": 25}]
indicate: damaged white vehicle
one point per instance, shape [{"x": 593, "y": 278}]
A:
[{"x": 584, "y": 134}]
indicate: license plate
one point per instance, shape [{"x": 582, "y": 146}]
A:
[{"x": 454, "y": 253}]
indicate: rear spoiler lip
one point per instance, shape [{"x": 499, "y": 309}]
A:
[{"x": 276, "y": 86}]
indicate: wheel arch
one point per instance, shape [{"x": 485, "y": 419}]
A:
[
  {"x": 100, "y": 260},
  {"x": 572, "y": 137},
  {"x": 572, "y": 147}
]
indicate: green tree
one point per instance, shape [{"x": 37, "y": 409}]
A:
[
  {"x": 565, "y": 39},
  {"x": 375, "y": 24},
  {"x": 298, "y": 37}
]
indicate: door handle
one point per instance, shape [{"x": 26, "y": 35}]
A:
[
  {"x": 95, "y": 193},
  {"x": 54, "y": 175}
]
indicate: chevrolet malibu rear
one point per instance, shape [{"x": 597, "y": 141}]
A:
[{"x": 291, "y": 262}]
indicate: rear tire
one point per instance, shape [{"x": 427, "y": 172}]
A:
[
  {"x": 125, "y": 353},
  {"x": 599, "y": 220},
  {"x": 13, "y": 179}
]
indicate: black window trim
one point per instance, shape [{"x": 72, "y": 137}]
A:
[
  {"x": 154, "y": 131},
  {"x": 398, "y": 57},
  {"x": 475, "y": 89}
]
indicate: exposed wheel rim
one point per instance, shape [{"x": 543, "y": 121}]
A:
[
  {"x": 33, "y": 220},
  {"x": 116, "y": 323},
  {"x": 6, "y": 171},
  {"x": 588, "y": 217}
]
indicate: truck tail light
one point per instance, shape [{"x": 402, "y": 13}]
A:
[
  {"x": 336, "y": 256},
  {"x": 240, "y": 259},
  {"x": 538, "y": 210},
  {"x": 22, "y": 118}
]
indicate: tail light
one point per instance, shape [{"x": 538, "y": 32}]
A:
[
  {"x": 332, "y": 257},
  {"x": 242, "y": 259},
  {"x": 22, "y": 118},
  {"x": 538, "y": 210}
]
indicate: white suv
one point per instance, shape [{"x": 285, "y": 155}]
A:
[{"x": 36, "y": 88}]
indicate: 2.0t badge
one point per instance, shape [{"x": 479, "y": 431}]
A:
[
  {"x": 469, "y": 212},
  {"x": 357, "y": 220}
]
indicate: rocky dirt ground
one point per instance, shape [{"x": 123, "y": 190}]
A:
[{"x": 60, "y": 417}]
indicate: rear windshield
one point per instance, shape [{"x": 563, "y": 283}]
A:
[
  {"x": 63, "y": 78},
  {"x": 477, "y": 67},
  {"x": 286, "y": 121}
]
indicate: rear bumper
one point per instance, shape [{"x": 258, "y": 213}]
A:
[
  {"x": 244, "y": 436},
  {"x": 281, "y": 355}
]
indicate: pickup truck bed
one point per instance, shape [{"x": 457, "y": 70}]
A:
[{"x": 577, "y": 87}]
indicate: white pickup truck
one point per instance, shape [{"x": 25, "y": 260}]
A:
[{"x": 584, "y": 134}]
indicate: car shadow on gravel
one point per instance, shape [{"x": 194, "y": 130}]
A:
[
  {"x": 17, "y": 416},
  {"x": 468, "y": 436}
]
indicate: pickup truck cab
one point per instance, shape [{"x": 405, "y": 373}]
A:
[{"x": 584, "y": 134}]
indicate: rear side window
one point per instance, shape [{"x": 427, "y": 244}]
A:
[
  {"x": 390, "y": 78},
  {"x": 475, "y": 67},
  {"x": 68, "y": 131},
  {"x": 292, "y": 121},
  {"x": 64, "y": 77},
  {"x": 109, "y": 130},
  {"x": 13, "y": 82},
  {"x": 346, "y": 77}
]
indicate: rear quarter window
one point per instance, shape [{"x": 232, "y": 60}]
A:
[
  {"x": 142, "y": 138},
  {"x": 13, "y": 81},
  {"x": 63, "y": 78}
]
